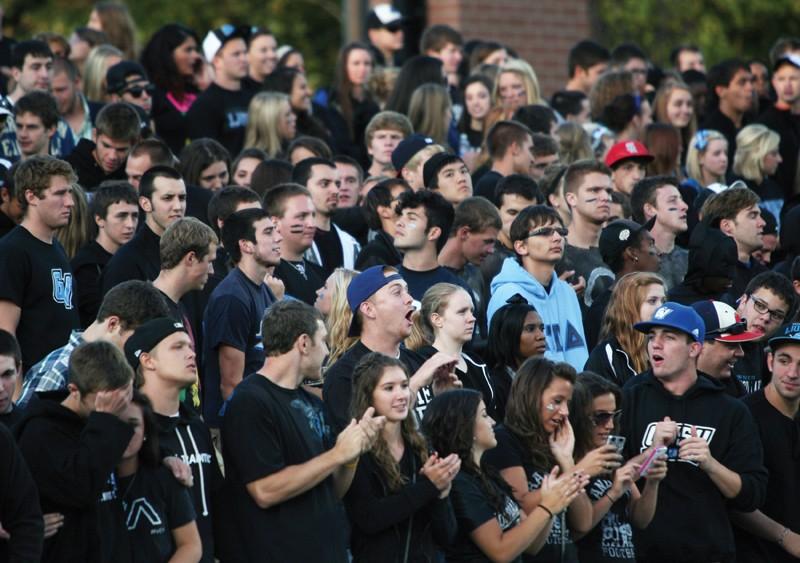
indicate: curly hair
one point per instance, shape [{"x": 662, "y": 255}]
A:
[
  {"x": 367, "y": 376},
  {"x": 449, "y": 426},
  {"x": 623, "y": 312},
  {"x": 524, "y": 405}
]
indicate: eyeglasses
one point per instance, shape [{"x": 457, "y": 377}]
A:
[
  {"x": 548, "y": 232},
  {"x": 762, "y": 308},
  {"x": 735, "y": 328},
  {"x": 137, "y": 91},
  {"x": 601, "y": 418}
]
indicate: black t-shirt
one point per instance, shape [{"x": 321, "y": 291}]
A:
[
  {"x": 330, "y": 250},
  {"x": 36, "y": 277},
  {"x": 787, "y": 125},
  {"x": 338, "y": 387},
  {"x": 510, "y": 452},
  {"x": 780, "y": 438},
  {"x": 750, "y": 368},
  {"x": 473, "y": 509},
  {"x": 301, "y": 279},
  {"x": 137, "y": 259},
  {"x": 419, "y": 282},
  {"x": 611, "y": 540},
  {"x": 155, "y": 504},
  {"x": 266, "y": 429},
  {"x": 87, "y": 266},
  {"x": 221, "y": 115},
  {"x": 486, "y": 185},
  {"x": 6, "y": 224}
]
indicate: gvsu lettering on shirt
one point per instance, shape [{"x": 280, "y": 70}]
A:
[
  {"x": 684, "y": 432},
  {"x": 62, "y": 287},
  {"x": 510, "y": 515},
  {"x": 557, "y": 343}
]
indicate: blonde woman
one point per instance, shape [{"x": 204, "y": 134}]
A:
[
  {"x": 707, "y": 159},
  {"x": 756, "y": 160},
  {"x": 622, "y": 351},
  {"x": 100, "y": 59},
  {"x": 674, "y": 105},
  {"x": 430, "y": 112},
  {"x": 332, "y": 303},
  {"x": 78, "y": 231},
  {"x": 412, "y": 171},
  {"x": 271, "y": 123},
  {"x": 516, "y": 85}
]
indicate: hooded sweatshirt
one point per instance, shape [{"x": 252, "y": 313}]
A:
[
  {"x": 712, "y": 254},
  {"x": 690, "y": 522},
  {"x": 90, "y": 174},
  {"x": 72, "y": 461},
  {"x": 187, "y": 437},
  {"x": 558, "y": 307}
]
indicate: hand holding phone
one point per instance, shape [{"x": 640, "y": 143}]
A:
[{"x": 650, "y": 459}]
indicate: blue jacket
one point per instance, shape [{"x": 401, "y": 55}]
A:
[{"x": 559, "y": 309}]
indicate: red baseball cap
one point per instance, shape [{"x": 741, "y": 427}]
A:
[{"x": 625, "y": 150}]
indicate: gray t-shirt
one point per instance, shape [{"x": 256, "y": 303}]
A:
[
  {"x": 588, "y": 263},
  {"x": 674, "y": 266}
]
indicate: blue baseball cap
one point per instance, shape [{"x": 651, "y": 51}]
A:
[
  {"x": 364, "y": 286},
  {"x": 407, "y": 148},
  {"x": 677, "y": 316},
  {"x": 787, "y": 334}
]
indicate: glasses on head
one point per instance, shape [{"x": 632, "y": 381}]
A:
[
  {"x": 137, "y": 91},
  {"x": 762, "y": 308},
  {"x": 601, "y": 418},
  {"x": 548, "y": 232}
]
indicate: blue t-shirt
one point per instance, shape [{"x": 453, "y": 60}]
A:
[{"x": 232, "y": 318}]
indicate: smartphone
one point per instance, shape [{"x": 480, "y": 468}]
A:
[
  {"x": 616, "y": 441},
  {"x": 650, "y": 459}
]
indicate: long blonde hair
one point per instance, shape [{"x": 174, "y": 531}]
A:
[
  {"x": 263, "y": 119},
  {"x": 95, "y": 69},
  {"x": 753, "y": 143},
  {"x": 427, "y": 111},
  {"x": 697, "y": 148},
  {"x": 78, "y": 231},
  {"x": 435, "y": 300},
  {"x": 528, "y": 76},
  {"x": 338, "y": 321},
  {"x": 623, "y": 312}
]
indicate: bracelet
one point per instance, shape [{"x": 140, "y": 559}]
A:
[
  {"x": 783, "y": 536},
  {"x": 550, "y": 512},
  {"x": 610, "y": 497}
]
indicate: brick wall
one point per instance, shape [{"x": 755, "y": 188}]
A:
[{"x": 541, "y": 31}]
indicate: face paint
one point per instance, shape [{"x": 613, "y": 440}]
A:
[
  {"x": 550, "y": 407},
  {"x": 296, "y": 229},
  {"x": 412, "y": 225}
]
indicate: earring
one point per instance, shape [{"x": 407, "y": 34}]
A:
[
  {"x": 635, "y": 258},
  {"x": 474, "y": 438}
]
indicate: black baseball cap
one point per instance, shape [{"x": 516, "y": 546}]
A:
[
  {"x": 117, "y": 75},
  {"x": 407, "y": 148},
  {"x": 619, "y": 235},
  {"x": 148, "y": 336},
  {"x": 384, "y": 15}
]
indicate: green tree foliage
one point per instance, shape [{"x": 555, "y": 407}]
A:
[
  {"x": 721, "y": 28},
  {"x": 312, "y": 26}
]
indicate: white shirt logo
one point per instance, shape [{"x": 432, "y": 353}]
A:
[{"x": 662, "y": 313}]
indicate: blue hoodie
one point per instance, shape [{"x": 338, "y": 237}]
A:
[{"x": 559, "y": 309}]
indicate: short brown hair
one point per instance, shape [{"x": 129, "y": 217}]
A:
[
  {"x": 728, "y": 203},
  {"x": 388, "y": 120},
  {"x": 99, "y": 366},
  {"x": 502, "y": 135},
  {"x": 34, "y": 174},
  {"x": 577, "y": 170},
  {"x": 119, "y": 121},
  {"x": 477, "y": 214},
  {"x": 275, "y": 200},
  {"x": 182, "y": 237},
  {"x": 436, "y": 37}
]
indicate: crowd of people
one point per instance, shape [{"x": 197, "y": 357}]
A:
[{"x": 424, "y": 314}]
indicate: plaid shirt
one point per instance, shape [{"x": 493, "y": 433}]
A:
[{"x": 51, "y": 373}]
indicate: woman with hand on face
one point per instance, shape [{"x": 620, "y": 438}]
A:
[
  {"x": 398, "y": 503},
  {"x": 169, "y": 533},
  {"x": 492, "y": 525},
  {"x": 536, "y": 438},
  {"x": 616, "y": 500},
  {"x": 445, "y": 323}
]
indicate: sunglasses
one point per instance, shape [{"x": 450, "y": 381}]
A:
[
  {"x": 548, "y": 232},
  {"x": 137, "y": 91},
  {"x": 601, "y": 418}
]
